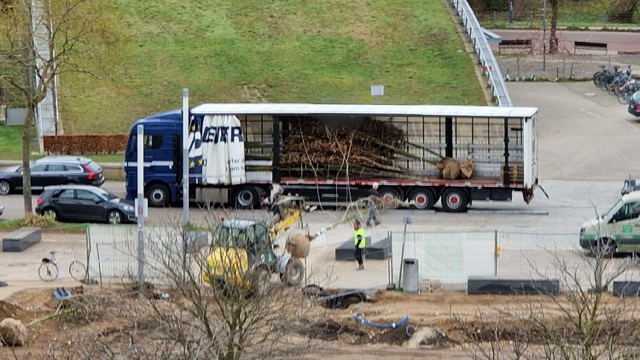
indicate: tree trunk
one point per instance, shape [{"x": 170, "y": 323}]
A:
[
  {"x": 553, "y": 36},
  {"x": 26, "y": 152},
  {"x": 623, "y": 10}
]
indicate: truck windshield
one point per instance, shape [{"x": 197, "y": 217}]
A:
[{"x": 612, "y": 210}]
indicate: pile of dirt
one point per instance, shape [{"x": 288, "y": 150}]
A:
[
  {"x": 8, "y": 310},
  {"x": 355, "y": 334},
  {"x": 396, "y": 336}
]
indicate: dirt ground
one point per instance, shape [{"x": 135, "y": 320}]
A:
[{"x": 438, "y": 326}]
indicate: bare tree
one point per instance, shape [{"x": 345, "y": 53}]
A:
[
  {"x": 226, "y": 306},
  {"x": 553, "y": 35},
  {"x": 40, "y": 40},
  {"x": 584, "y": 321},
  {"x": 623, "y": 10}
]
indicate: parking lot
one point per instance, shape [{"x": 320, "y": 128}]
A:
[{"x": 587, "y": 146}]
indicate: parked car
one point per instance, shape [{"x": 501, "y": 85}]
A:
[
  {"x": 52, "y": 170},
  {"x": 1, "y": 208},
  {"x": 84, "y": 203},
  {"x": 634, "y": 104}
]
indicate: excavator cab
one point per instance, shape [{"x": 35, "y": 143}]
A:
[
  {"x": 243, "y": 251},
  {"x": 239, "y": 248}
]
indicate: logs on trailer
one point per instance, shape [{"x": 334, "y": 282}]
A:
[
  {"x": 451, "y": 169},
  {"x": 364, "y": 147},
  {"x": 367, "y": 148}
]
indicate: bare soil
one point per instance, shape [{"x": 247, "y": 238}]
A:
[{"x": 451, "y": 315}]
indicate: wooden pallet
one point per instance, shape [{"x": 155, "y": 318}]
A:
[{"x": 516, "y": 172}]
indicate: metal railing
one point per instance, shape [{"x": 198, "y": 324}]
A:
[{"x": 484, "y": 53}]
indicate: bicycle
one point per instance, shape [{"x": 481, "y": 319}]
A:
[{"x": 49, "y": 270}]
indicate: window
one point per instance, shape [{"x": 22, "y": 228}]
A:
[
  {"x": 66, "y": 194},
  {"x": 38, "y": 167},
  {"x": 628, "y": 211},
  {"x": 87, "y": 195},
  {"x": 152, "y": 141},
  {"x": 94, "y": 166},
  {"x": 56, "y": 168}
]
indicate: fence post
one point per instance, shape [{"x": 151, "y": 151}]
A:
[
  {"x": 407, "y": 221},
  {"x": 390, "y": 284}
]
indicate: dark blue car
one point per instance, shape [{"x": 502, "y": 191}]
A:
[{"x": 84, "y": 203}]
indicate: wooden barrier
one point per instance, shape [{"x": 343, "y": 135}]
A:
[
  {"x": 586, "y": 45},
  {"x": 516, "y": 44}
]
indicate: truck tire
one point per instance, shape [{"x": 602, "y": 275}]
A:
[
  {"x": 422, "y": 199},
  {"x": 388, "y": 194},
  {"x": 245, "y": 197},
  {"x": 454, "y": 200},
  {"x": 158, "y": 195}
]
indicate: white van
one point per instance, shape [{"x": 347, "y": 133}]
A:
[{"x": 617, "y": 230}]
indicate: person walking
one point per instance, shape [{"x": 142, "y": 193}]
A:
[
  {"x": 359, "y": 240},
  {"x": 372, "y": 211}
]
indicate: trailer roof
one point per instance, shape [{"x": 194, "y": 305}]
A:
[{"x": 343, "y": 109}]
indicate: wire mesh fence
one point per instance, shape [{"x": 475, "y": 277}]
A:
[{"x": 449, "y": 258}]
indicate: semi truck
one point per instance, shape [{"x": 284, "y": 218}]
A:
[{"x": 332, "y": 154}]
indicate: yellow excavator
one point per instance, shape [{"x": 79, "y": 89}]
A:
[{"x": 243, "y": 250}]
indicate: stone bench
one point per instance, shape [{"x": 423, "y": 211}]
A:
[
  {"x": 378, "y": 250},
  {"x": 21, "y": 239}
]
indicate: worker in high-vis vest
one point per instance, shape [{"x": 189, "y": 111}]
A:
[{"x": 359, "y": 241}]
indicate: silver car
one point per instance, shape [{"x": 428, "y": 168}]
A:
[{"x": 1, "y": 208}]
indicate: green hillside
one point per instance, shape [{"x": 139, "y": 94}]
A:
[{"x": 328, "y": 51}]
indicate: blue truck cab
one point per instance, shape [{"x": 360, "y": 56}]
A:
[{"x": 162, "y": 158}]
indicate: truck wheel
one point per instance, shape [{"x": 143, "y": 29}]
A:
[
  {"x": 422, "y": 199},
  {"x": 454, "y": 200},
  {"x": 245, "y": 197},
  {"x": 158, "y": 195},
  {"x": 388, "y": 194},
  {"x": 294, "y": 272}
]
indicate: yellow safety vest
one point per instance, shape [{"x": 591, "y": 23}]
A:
[{"x": 356, "y": 234}]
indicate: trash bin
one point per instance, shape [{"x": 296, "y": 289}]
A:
[{"x": 410, "y": 276}]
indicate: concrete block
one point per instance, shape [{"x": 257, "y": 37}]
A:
[
  {"x": 497, "y": 285},
  {"x": 21, "y": 239}
]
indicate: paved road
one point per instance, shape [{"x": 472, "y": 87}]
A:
[
  {"x": 587, "y": 146},
  {"x": 587, "y": 143}
]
